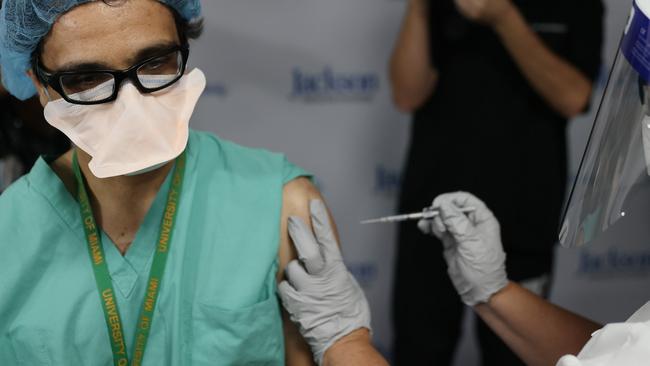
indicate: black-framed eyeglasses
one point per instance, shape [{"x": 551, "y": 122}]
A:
[{"x": 102, "y": 86}]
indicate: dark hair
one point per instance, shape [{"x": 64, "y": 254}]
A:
[{"x": 187, "y": 30}]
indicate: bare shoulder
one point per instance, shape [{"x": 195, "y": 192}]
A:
[
  {"x": 295, "y": 202},
  {"x": 296, "y": 196}
]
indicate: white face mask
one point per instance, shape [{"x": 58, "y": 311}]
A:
[{"x": 135, "y": 133}]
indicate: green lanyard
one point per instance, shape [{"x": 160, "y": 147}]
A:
[{"x": 102, "y": 276}]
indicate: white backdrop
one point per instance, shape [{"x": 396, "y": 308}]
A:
[{"x": 308, "y": 78}]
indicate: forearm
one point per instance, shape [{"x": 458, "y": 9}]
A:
[
  {"x": 412, "y": 76},
  {"x": 354, "y": 349},
  {"x": 536, "y": 330},
  {"x": 558, "y": 82}
]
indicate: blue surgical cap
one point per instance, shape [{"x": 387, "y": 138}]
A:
[{"x": 23, "y": 23}]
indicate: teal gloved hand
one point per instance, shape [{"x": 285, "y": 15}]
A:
[
  {"x": 472, "y": 246},
  {"x": 320, "y": 294}
]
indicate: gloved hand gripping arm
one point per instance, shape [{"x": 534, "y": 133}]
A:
[
  {"x": 324, "y": 299},
  {"x": 538, "y": 331}
]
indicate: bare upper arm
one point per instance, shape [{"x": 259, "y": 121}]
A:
[{"x": 295, "y": 202}]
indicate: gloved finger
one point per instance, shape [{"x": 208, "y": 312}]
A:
[
  {"x": 449, "y": 252},
  {"x": 287, "y": 293},
  {"x": 462, "y": 200},
  {"x": 481, "y": 212},
  {"x": 438, "y": 227},
  {"x": 308, "y": 248},
  {"x": 297, "y": 276},
  {"x": 432, "y": 226},
  {"x": 449, "y": 242},
  {"x": 324, "y": 232},
  {"x": 438, "y": 201},
  {"x": 425, "y": 226},
  {"x": 292, "y": 301}
]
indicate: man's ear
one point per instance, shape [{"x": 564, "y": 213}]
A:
[{"x": 42, "y": 93}]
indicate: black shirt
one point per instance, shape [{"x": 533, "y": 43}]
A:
[{"x": 486, "y": 131}]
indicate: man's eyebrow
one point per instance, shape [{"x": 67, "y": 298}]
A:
[
  {"x": 143, "y": 54},
  {"x": 84, "y": 66},
  {"x": 152, "y": 51}
]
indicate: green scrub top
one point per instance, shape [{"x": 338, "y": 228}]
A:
[{"x": 217, "y": 304}]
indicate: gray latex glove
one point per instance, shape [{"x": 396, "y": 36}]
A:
[
  {"x": 320, "y": 294},
  {"x": 472, "y": 246}
]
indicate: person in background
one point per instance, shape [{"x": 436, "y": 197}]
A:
[
  {"x": 24, "y": 135},
  {"x": 506, "y": 75}
]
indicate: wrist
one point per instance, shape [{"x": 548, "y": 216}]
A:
[
  {"x": 483, "y": 292},
  {"x": 351, "y": 342},
  {"x": 495, "y": 297}
]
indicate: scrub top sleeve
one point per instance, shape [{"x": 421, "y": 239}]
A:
[
  {"x": 291, "y": 171},
  {"x": 586, "y": 36}
]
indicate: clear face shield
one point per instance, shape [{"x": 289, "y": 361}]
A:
[{"x": 610, "y": 200}]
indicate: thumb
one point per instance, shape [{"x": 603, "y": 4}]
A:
[
  {"x": 425, "y": 226},
  {"x": 297, "y": 276},
  {"x": 288, "y": 294},
  {"x": 479, "y": 213}
]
